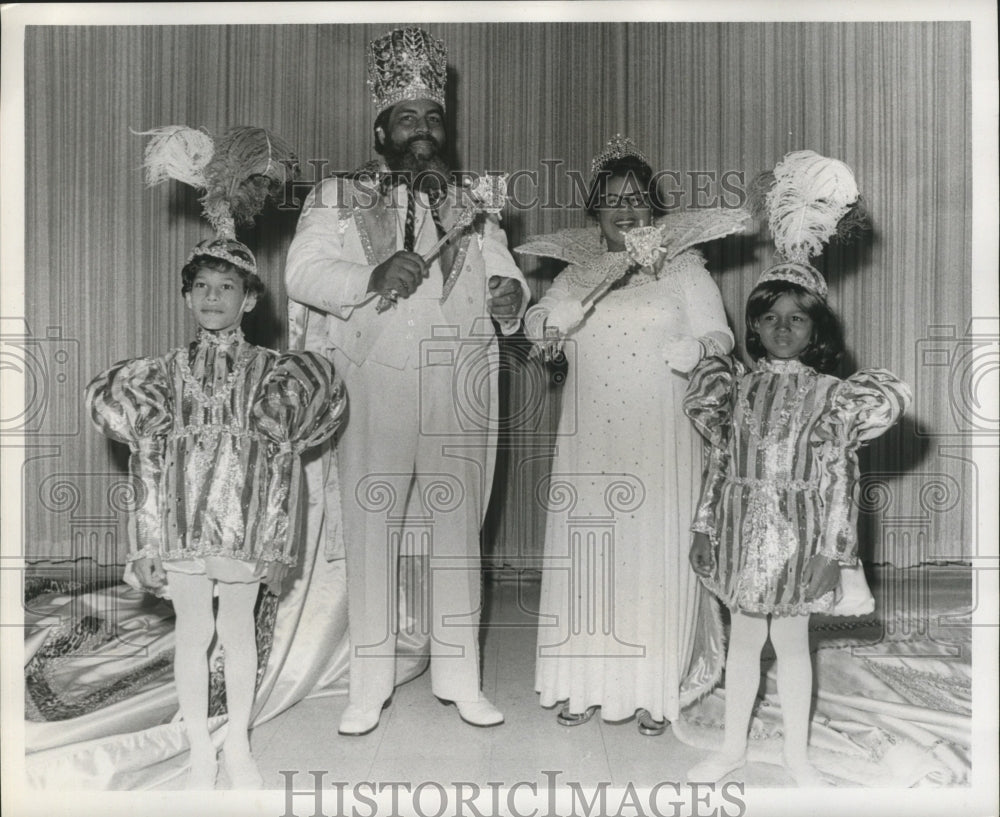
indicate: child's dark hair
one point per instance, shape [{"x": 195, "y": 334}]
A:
[
  {"x": 252, "y": 284},
  {"x": 826, "y": 347},
  {"x": 630, "y": 167}
]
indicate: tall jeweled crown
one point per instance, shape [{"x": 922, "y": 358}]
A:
[
  {"x": 618, "y": 147},
  {"x": 406, "y": 63}
]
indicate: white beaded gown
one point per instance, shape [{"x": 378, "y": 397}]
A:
[{"x": 623, "y": 622}]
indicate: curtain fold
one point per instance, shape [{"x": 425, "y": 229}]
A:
[{"x": 702, "y": 99}]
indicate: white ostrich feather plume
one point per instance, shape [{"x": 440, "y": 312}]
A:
[
  {"x": 177, "y": 152},
  {"x": 811, "y": 193}
]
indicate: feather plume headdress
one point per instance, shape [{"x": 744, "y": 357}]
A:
[
  {"x": 235, "y": 174},
  {"x": 806, "y": 199}
]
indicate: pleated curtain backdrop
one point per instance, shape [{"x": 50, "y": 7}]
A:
[{"x": 714, "y": 103}]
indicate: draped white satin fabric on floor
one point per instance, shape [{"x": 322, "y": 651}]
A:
[
  {"x": 137, "y": 741},
  {"x": 893, "y": 699},
  {"x": 893, "y": 691}
]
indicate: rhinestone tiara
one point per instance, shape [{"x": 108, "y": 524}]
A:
[{"x": 618, "y": 147}]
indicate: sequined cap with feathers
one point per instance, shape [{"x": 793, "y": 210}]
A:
[{"x": 235, "y": 173}]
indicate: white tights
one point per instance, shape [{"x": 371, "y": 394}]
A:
[
  {"x": 790, "y": 637},
  {"x": 192, "y": 599}
]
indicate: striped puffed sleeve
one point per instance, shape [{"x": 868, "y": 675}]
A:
[
  {"x": 133, "y": 403},
  {"x": 300, "y": 404},
  {"x": 708, "y": 402},
  {"x": 863, "y": 407}
]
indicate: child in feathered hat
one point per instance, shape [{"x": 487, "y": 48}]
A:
[
  {"x": 216, "y": 429},
  {"x": 775, "y": 531}
]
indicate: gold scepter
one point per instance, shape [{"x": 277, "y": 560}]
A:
[{"x": 488, "y": 195}]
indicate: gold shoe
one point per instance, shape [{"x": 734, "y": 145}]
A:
[
  {"x": 567, "y": 718},
  {"x": 648, "y": 725}
]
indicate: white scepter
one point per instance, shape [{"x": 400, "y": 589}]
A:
[{"x": 488, "y": 195}]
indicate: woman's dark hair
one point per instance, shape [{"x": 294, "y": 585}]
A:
[
  {"x": 826, "y": 347},
  {"x": 629, "y": 167},
  {"x": 251, "y": 281}
]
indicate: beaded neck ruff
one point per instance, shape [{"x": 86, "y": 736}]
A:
[
  {"x": 791, "y": 366},
  {"x": 231, "y": 337},
  {"x": 601, "y": 264},
  {"x": 636, "y": 277}
]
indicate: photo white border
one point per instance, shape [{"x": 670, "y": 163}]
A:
[{"x": 978, "y": 800}]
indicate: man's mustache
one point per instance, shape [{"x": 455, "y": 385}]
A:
[{"x": 422, "y": 137}]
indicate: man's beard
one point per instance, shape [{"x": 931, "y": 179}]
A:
[{"x": 428, "y": 173}]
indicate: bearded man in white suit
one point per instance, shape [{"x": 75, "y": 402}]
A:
[{"x": 415, "y": 344}]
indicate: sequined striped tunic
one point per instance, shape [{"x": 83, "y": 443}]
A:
[
  {"x": 215, "y": 431},
  {"x": 782, "y": 473}
]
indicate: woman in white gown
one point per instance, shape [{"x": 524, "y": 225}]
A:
[{"x": 624, "y": 625}]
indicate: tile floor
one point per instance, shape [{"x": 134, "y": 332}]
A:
[{"x": 419, "y": 739}]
